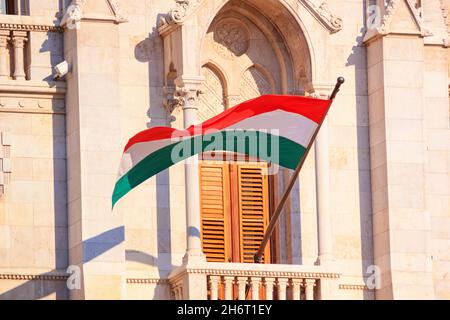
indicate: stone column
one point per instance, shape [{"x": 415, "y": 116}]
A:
[
  {"x": 4, "y": 63},
  {"x": 94, "y": 148},
  {"x": 189, "y": 92},
  {"x": 321, "y": 147},
  {"x": 323, "y": 194},
  {"x": 19, "y": 38}
]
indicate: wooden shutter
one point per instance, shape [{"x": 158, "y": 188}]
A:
[
  {"x": 253, "y": 191},
  {"x": 214, "y": 204}
]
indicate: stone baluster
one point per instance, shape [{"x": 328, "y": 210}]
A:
[
  {"x": 18, "y": 39},
  {"x": 242, "y": 283},
  {"x": 309, "y": 288},
  {"x": 296, "y": 289},
  {"x": 282, "y": 285},
  {"x": 214, "y": 287},
  {"x": 4, "y": 61},
  {"x": 268, "y": 284},
  {"x": 255, "y": 282},
  {"x": 228, "y": 287}
]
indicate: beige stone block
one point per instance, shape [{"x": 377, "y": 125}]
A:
[
  {"x": 441, "y": 227},
  {"x": 436, "y": 84},
  {"x": 437, "y": 162},
  {"x": 19, "y": 214},
  {"x": 437, "y": 113},
  {"x": 380, "y": 199},
  {"x": 105, "y": 55},
  {"x": 376, "y": 105},
  {"x": 375, "y": 78},
  {"x": 403, "y": 197},
  {"x": 403, "y": 49},
  {"x": 374, "y": 53},
  {"x": 378, "y": 155},
  {"x": 394, "y": 70},
  {"x": 49, "y": 169},
  {"x": 88, "y": 36},
  {"x": 438, "y": 139},
  {"x": 409, "y": 241},
  {"x": 406, "y": 152},
  {"x": 107, "y": 287},
  {"x": 378, "y": 132},
  {"x": 438, "y": 205},
  {"x": 437, "y": 183},
  {"x": 404, "y": 130},
  {"x": 380, "y": 222},
  {"x": 404, "y": 103},
  {"x": 50, "y": 125},
  {"x": 412, "y": 262},
  {"x": 5, "y": 237},
  {"x": 408, "y": 175},
  {"x": 17, "y": 123},
  {"x": 381, "y": 246},
  {"x": 22, "y": 169},
  {"x": 22, "y": 252},
  {"x": 379, "y": 177}
]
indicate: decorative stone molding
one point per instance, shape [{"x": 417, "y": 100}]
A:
[
  {"x": 184, "y": 8},
  {"x": 30, "y": 277},
  {"x": 147, "y": 281},
  {"x": 29, "y": 27},
  {"x": 32, "y": 97},
  {"x": 75, "y": 15},
  {"x": 390, "y": 11},
  {"x": 359, "y": 287},
  {"x": 5, "y": 161},
  {"x": 445, "y": 16},
  {"x": 323, "y": 14}
]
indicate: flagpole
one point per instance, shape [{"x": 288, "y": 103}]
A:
[{"x": 278, "y": 210}]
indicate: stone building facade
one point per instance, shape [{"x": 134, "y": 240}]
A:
[{"x": 369, "y": 217}]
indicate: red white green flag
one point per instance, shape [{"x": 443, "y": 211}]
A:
[{"x": 273, "y": 128}]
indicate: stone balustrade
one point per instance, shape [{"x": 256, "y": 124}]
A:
[{"x": 239, "y": 281}]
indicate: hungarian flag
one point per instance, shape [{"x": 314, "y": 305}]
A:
[{"x": 274, "y": 128}]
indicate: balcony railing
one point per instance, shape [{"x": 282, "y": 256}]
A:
[{"x": 238, "y": 281}]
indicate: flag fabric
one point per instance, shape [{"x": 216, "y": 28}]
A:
[{"x": 249, "y": 128}]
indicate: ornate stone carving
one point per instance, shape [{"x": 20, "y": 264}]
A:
[
  {"x": 211, "y": 102},
  {"x": 5, "y": 161},
  {"x": 231, "y": 38},
  {"x": 386, "y": 21},
  {"x": 324, "y": 15},
  {"x": 187, "y": 98},
  {"x": 115, "y": 6},
  {"x": 74, "y": 14},
  {"x": 181, "y": 10},
  {"x": 254, "y": 84},
  {"x": 445, "y": 16}
]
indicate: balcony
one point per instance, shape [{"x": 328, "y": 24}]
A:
[{"x": 239, "y": 281}]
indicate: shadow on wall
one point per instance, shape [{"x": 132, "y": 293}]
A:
[
  {"x": 364, "y": 176},
  {"x": 38, "y": 289}
]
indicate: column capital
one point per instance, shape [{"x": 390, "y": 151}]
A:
[{"x": 187, "y": 92}]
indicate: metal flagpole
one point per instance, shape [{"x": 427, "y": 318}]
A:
[{"x": 277, "y": 213}]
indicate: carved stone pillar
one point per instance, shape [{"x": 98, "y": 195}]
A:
[
  {"x": 188, "y": 97},
  {"x": 19, "y": 38},
  {"x": 321, "y": 148},
  {"x": 4, "y": 63}
]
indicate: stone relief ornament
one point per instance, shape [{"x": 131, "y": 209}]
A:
[
  {"x": 231, "y": 38},
  {"x": 324, "y": 15}
]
